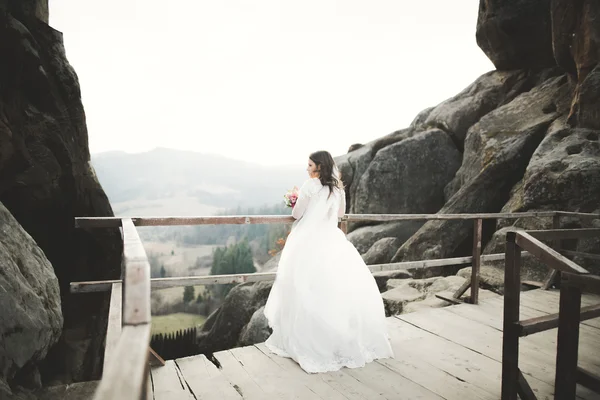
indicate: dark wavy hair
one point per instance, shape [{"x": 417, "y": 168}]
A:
[{"x": 325, "y": 165}]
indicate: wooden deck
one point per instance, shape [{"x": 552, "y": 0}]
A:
[{"x": 453, "y": 353}]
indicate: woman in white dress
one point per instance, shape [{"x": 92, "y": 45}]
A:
[{"x": 325, "y": 309}]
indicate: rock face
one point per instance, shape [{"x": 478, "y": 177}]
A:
[
  {"x": 408, "y": 295},
  {"x": 421, "y": 166},
  {"x": 46, "y": 180},
  {"x": 30, "y": 302},
  {"x": 515, "y": 34},
  {"x": 528, "y": 133},
  {"x": 222, "y": 330}
]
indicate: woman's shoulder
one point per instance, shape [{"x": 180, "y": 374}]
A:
[{"x": 311, "y": 186}]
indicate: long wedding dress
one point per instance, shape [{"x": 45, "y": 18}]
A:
[{"x": 325, "y": 309}]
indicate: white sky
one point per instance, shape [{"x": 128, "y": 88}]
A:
[{"x": 267, "y": 81}]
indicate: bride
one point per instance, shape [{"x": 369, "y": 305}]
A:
[{"x": 325, "y": 309}]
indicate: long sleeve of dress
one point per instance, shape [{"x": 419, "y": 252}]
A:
[{"x": 304, "y": 196}]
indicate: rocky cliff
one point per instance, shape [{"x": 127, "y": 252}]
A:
[
  {"x": 523, "y": 137},
  {"x": 45, "y": 181}
]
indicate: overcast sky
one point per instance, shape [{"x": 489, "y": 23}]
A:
[{"x": 267, "y": 81}]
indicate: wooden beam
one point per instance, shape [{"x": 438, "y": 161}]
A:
[
  {"x": 510, "y": 339},
  {"x": 155, "y": 358},
  {"x": 462, "y": 289},
  {"x": 589, "y": 380},
  {"x": 524, "y": 390},
  {"x": 125, "y": 375},
  {"x": 567, "y": 345},
  {"x": 580, "y": 254},
  {"x": 438, "y": 217},
  {"x": 449, "y": 299},
  {"x": 113, "y": 331},
  {"x": 539, "y": 324},
  {"x": 553, "y": 234},
  {"x": 546, "y": 254},
  {"x": 163, "y": 283},
  {"x": 136, "y": 301},
  {"x": 115, "y": 222},
  {"x": 585, "y": 283},
  {"x": 476, "y": 264},
  {"x": 532, "y": 283},
  {"x": 578, "y": 215}
]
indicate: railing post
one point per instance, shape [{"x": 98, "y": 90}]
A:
[
  {"x": 510, "y": 339},
  {"x": 556, "y": 244},
  {"x": 567, "y": 346},
  {"x": 476, "y": 265},
  {"x": 344, "y": 226}
]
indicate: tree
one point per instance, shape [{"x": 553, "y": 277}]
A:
[
  {"x": 234, "y": 259},
  {"x": 188, "y": 294}
]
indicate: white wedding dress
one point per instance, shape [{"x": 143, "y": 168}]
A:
[{"x": 325, "y": 309}]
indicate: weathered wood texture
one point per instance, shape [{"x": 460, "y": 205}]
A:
[
  {"x": 126, "y": 371},
  {"x": 453, "y": 353},
  {"x": 162, "y": 283},
  {"x": 113, "y": 330},
  {"x": 113, "y": 222}
]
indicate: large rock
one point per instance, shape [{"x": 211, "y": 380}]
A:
[
  {"x": 223, "y": 328},
  {"x": 409, "y": 176},
  {"x": 457, "y": 114},
  {"x": 576, "y": 43},
  {"x": 515, "y": 34},
  {"x": 563, "y": 174},
  {"x": 32, "y": 319},
  {"x": 497, "y": 151},
  {"x": 257, "y": 330},
  {"x": 47, "y": 180},
  {"x": 403, "y": 293},
  {"x": 382, "y": 251},
  {"x": 364, "y": 237}
]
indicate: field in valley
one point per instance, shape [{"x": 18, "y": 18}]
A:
[{"x": 174, "y": 322}]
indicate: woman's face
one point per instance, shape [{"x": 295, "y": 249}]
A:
[{"x": 312, "y": 169}]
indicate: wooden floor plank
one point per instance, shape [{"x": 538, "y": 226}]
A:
[
  {"x": 482, "y": 373},
  {"x": 317, "y": 382},
  {"x": 273, "y": 380},
  {"x": 490, "y": 313},
  {"x": 387, "y": 382},
  {"x": 452, "y": 353},
  {"x": 205, "y": 380},
  {"x": 238, "y": 377},
  {"x": 483, "y": 339},
  {"x": 167, "y": 383}
]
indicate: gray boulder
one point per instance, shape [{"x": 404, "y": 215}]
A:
[
  {"x": 382, "y": 251},
  {"x": 364, "y": 237},
  {"x": 257, "y": 330},
  {"x": 409, "y": 176},
  {"x": 497, "y": 151},
  {"x": 223, "y": 328},
  {"x": 515, "y": 34},
  {"x": 31, "y": 319}
]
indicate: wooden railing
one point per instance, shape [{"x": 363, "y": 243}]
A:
[
  {"x": 125, "y": 373},
  {"x": 126, "y": 355},
  {"x": 574, "y": 280}
]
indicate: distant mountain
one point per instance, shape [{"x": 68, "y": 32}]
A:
[{"x": 172, "y": 182}]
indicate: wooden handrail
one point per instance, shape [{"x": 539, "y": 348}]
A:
[
  {"x": 551, "y": 234},
  {"x": 546, "y": 254},
  {"x": 115, "y": 222},
  {"x": 126, "y": 370},
  {"x": 163, "y": 283}
]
